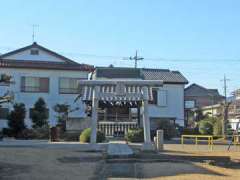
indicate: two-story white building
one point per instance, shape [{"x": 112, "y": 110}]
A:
[{"x": 39, "y": 72}]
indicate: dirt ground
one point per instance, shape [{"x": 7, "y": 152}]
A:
[{"x": 28, "y": 163}]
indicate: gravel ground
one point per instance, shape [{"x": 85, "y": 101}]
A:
[{"x": 28, "y": 163}]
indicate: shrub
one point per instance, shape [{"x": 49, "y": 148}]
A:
[
  {"x": 62, "y": 110},
  {"x": 70, "y": 136},
  {"x": 206, "y": 127},
  {"x": 168, "y": 128},
  {"x": 16, "y": 119},
  {"x": 86, "y": 134},
  {"x": 190, "y": 131},
  {"x": 39, "y": 114},
  {"x": 135, "y": 135},
  {"x": 27, "y": 134},
  {"x": 42, "y": 133},
  {"x": 7, "y": 132},
  {"x": 217, "y": 127}
]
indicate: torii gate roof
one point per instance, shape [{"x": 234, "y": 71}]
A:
[{"x": 118, "y": 90}]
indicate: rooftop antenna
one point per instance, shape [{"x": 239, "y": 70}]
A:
[
  {"x": 34, "y": 26},
  {"x": 135, "y": 58}
]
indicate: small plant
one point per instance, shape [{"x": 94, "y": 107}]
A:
[
  {"x": 135, "y": 135},
  {"x": 16, "y": 119},
  {"x": 39, "y": 114},
  {"x": 86, "y": 134},
  {"x": 206, "y": 127}
]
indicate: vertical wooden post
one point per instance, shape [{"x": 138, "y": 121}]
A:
[{"x": 93, "y": 138}]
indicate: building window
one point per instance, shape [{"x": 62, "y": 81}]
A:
[
  {"x": 69, "y": 86},
  {"x": 34, "y": 52},
  {"x": 154, "y": 96},
  {"x": 189, "y": 104},
  {"x": 4, "y": 113},
  {"x": 162, "y": 98},
  {"x": 34, "y": 84}
]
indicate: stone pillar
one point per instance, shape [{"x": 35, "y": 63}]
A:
[
  {"x": 148, "y": 145},
  {"x": 93, "y": 139},
  {"x": 159, "y": 140}
]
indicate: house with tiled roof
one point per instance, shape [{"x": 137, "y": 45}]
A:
[
  {"x": 39, "y": 72},
  {"x": 167, "y": 102},
  {"x": 197, "y": 96}
]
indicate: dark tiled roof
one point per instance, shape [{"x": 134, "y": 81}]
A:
[
  {"x": 167, "y": 76},
  {"x": 197, "y": 90},
  {"x": 164, "y": 74},
  {"x": 44, "y": 65},
  {"x": 117, "y": 72}
]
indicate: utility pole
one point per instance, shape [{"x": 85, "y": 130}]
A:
[
  {"x": 225, "y": 106},
  {"x": 136, "y": 58},
  {"x": 225, "y": 80}
]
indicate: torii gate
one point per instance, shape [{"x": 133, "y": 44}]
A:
[{"x": 120, "y": 90}]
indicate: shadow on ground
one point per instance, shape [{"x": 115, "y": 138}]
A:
[{"x": 152, "y": 165}]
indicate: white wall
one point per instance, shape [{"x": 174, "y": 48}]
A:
[
  {"x": 51, "y": 98},
  {"x": 175, "y": 104}
]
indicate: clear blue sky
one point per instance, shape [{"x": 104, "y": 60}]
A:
[{"x": 200, "y": 38}]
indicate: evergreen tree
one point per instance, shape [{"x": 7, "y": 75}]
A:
[
  {"x": 39, "y": 114},
  {"x": 62, "y": 110},
  {"x": 16, "y": 119}
]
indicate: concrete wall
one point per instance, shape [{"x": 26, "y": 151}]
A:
[{"x": 51, "y": 98}]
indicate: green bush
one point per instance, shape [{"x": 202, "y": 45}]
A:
[
  {"x": 168, "y": 128},
  {"x": 206, "y": 127},
  {"x": 135, "y": 135},
  {"x": 39, "y": 133},
  {"x": 69, "y": 136},
  {"x": 217, "y": 127},
  {"x": 39, "y": 114},
  {"x": 190, "y": 131},
  {"x": 7, "y": 132},
  {"x": 16, "y": 119},
  {"x": 86, "y": 134}
]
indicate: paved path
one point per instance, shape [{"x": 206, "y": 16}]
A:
[{"x": 119, "y": 149}]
